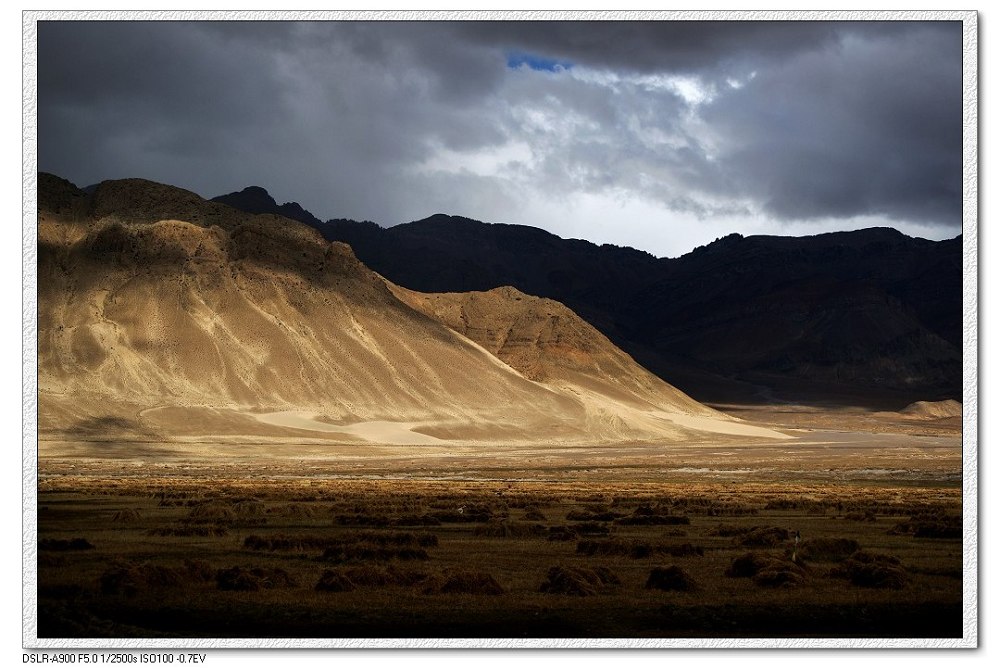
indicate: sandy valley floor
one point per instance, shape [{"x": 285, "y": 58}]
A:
[{"x": 836, "y": 446}]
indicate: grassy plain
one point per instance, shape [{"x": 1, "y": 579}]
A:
[{"x": 225, "y": 541}]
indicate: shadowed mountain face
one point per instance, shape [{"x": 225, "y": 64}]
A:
[
  {"x": 868, "y": 314},
  {"x": 163, "y": 316},
  {"x": 256, "y": 200}
]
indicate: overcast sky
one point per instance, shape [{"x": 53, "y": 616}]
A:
[{"x": 661, "y": 136}]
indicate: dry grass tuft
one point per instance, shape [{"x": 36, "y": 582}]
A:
[
  {"x": 294, "y": 511},
  {"x": 76, "y": 544},
  {"x": 253, "y": 578},
  {"x": 241, "y": 514},
  {"x": 671, "y": 578},
  {"x": 367, "y": 552},
  {"x": 747, "y": 565},
  {"x": 873, "y": 570},
  {"x": 578, "y": 581},
  {"x": 371, "y": 576},
  {"x": 199, "y": 570},
  {"x": 127, "y": 516},
  {"x": 653, "y": 519},
  {"x": 762, "y": 537},
  {"x": 591, "y": 529},
  {"x": 510, "y": 530},
  {"x": 825, "y": 549},
  {"x": 354, "y": 543},
  {"x": 130, "y": 579},
  {"x": 593, "y": 514},
  {"x": 211, "y": 512},
  {"x": 931, "y": 526},
  {"x": 787, "y": 575},
  {"x": 726, "y": 530},
  {"x": 199, "y": 531},
  {"x": 334, "y": 581},
  {"x": 422, "y": 539},
  {"x": 767, "y": 570},
  {"x": 562, "y": 533},
  {"x": 405, "y": 520},
  {"x": 636, "y": 549},
  {"x": 379, "y": 576},
  {"x": 462, "y": 582}
]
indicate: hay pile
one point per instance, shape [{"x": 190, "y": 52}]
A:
[
  {"x": 578, "y": 581},
  {"x": 671, "y": 578},
  {"x": 767, "y": 570},
  {"x": 873, "y": 570}
]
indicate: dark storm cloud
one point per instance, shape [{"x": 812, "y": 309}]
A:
[
  {"x": 391, "y": 121},
  {"x": 684, "y": 47},
  {"x": 863, "y": 126}
]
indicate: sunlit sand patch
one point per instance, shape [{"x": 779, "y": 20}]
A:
[
  {"x": 705, "y": 424},
  {"x": 379, "y": 431}
]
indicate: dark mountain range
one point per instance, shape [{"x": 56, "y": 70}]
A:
[
  {"x": 871, "y": 314},
  {"x": 256, "y": 200}
]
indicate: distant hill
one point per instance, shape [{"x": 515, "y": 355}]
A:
[
  {"x": 164, "y": 316},
  {"x": 256, "y": 200},
  {"x": 844, "y": 316}
]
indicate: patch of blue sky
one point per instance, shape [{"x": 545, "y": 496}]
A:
[{"x": 518, "y": 59}]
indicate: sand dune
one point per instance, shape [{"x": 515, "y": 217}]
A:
[
  {"x": 377, "y": 431},
  {"x": 933, "y": 410},
  {"x": 232, "y": 324}
]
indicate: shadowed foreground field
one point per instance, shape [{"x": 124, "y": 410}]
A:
[{"x": 270, "y": 556}]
